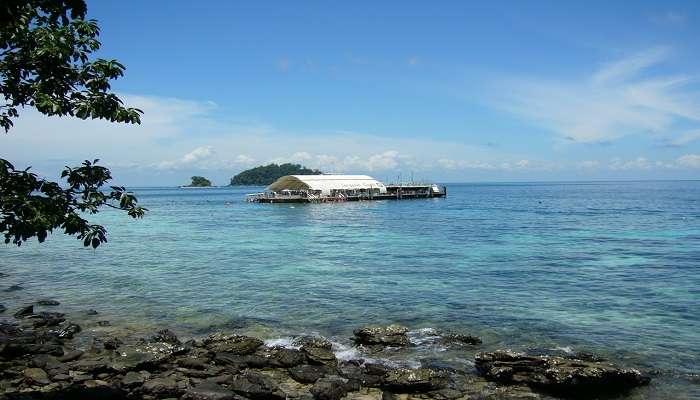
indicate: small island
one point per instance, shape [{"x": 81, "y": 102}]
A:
[
  {"x": 198, "y": 181},
  {"x": 266, "y": 174}
]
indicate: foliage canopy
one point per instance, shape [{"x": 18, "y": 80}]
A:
[
  {"x": 45, "y": 63},
  {"x": 265, "y": 175},
  {"x": 200, "y": 181}
]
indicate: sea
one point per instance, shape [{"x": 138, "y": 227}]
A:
[{"x": 609, "y": 268}]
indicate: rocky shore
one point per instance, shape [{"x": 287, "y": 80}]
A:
[{"x": 41, "y": 358}]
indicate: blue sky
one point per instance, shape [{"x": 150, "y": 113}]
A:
[{"x": 449, "y": 91}]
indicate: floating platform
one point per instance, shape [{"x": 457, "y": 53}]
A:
[{"x": 339, "y": 188}]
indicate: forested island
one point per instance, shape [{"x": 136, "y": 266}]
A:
[
  {"x": 199, "y": 181},
  {"x": 266, "y": 174}
]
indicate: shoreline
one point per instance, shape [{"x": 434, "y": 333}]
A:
[{"x": 45, "y": 355}]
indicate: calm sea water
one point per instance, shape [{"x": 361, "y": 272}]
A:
[{"x": 611, "y": 268}]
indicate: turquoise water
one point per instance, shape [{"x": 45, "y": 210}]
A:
[{"x": 611, "y": 268}]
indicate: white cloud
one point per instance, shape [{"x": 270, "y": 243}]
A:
[
  {"x": 683, "y": 139},
  {"x": 689, "y": 160},
  {"x": 639, "y": 163},
  {"x": 198, "y": 154},
  {"x": 671, "y": 18},
  {"x": 616, "y": 100},
  {"x": 588, "y": 164}
]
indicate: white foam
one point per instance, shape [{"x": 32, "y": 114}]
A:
[
  {"x": 565, "y": 349},
  {"x": 347, "y": 353},
  {"x": 286, "y": 342}
]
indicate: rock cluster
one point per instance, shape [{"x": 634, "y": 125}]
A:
[
  {"x": 40, "y": 360},
  {"x": 392, "y": 335},
  {"x": 558, "y": 375}
]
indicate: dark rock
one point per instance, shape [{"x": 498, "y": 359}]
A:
[
  {"x": 312, "y": 341},
  {"x": 91, "y": 312},
  {"x": 47, "y": 319},
  {"x": 112, "y": 343},
  {"x": 70, "y": 356},
  {"x": 282, "y": 357},
  {"x": 61, "y": 377},
  {"x": 459, "y": 339},
  {"x": 161, "y": 387},
  {"x": 558, "y": 375},
  {"x": 68, "y": 331},
  {"x": 166, "y": 336},
  {"x": 193, "y": 363},
  {"x": 232, "y": 361},
  {"x": 319, "y": 356},
  {"x": 91, "y": 363},
  {"x": 307, "y": 373},
  {"x": 103, "y": 323},
  {"x": 132, "y": 379},
  {"x": 236, "y": 344},
  {"x": 24, "y": 312},
  {"x": 256, "y": 386},
  {"x": 36, "y": 376},
  {"x": 2, "y": 308},
  {"x": 330, "y": 388},
  {"x": 392, "y": 335},
  {"x": 14, "y": 288},
  {"x": 146, "y": 356},
  {"x": 412, "y": 380},
  {"x": 47, "y": 302},
  {"x": 208, "y": 391}
]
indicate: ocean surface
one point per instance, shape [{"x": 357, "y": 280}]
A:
[{"x": 611, "y": 268}]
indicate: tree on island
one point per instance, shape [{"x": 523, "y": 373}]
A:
[
  {"x": 265, "y": 175},
  {"x": 199, "y": 181},
  {"x": 45, "y": 63}
]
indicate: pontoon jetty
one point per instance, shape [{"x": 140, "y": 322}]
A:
[{"x": 332, "y": 188}]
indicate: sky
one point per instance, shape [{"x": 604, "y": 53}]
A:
[{"x": 453, "y": 91}]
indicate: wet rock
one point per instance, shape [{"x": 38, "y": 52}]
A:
[
  {"x": 36, "y": 376},
  {"x": 392, "y": 335},
  {"x": 411, "y": 380},
  {"x": 91, "y": 363},
  {"x": 146, "y": 356},
  {"x": 14, "y": 288},
  {"x": 275, "y": 357},
  {"x": 312, "y": 341},
  {"x": 319, "y": 356},
  {"x": 166, "y": 336},
  {"x": 558, "y": 375},
  {"x": 132, "y": 379},
  {"x": 47, "y": 319},
  {"x": 24, "y": 312},
  {"x": 47, "y": 302},
  {"x": 283, "y": 357},
  {"x": 70, "y": 356},
  {"x": 112, "y": 343},
  {"x": 193, "y": 363},
  {"x": 307, "y": 373},
  {"x": 161, "y": 387},
  {"x": 68, "y": 331},
  {"x": 330, "y": 388},
  {"x": 363, "y": 375},
  {"x": 208, "y": 391},
  {"x": 235, "y": 344},
  {"x": 233, "y": 361},
  {"x": 459, "y": 339},
  {"x": 255, "y": 385},
  {"x": 103, "y": 323},
  {"x": 91, "y": 312},
  {"x": 2, "y": 308}
]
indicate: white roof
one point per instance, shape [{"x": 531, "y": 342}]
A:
[{"x": 326, "y": 183}]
